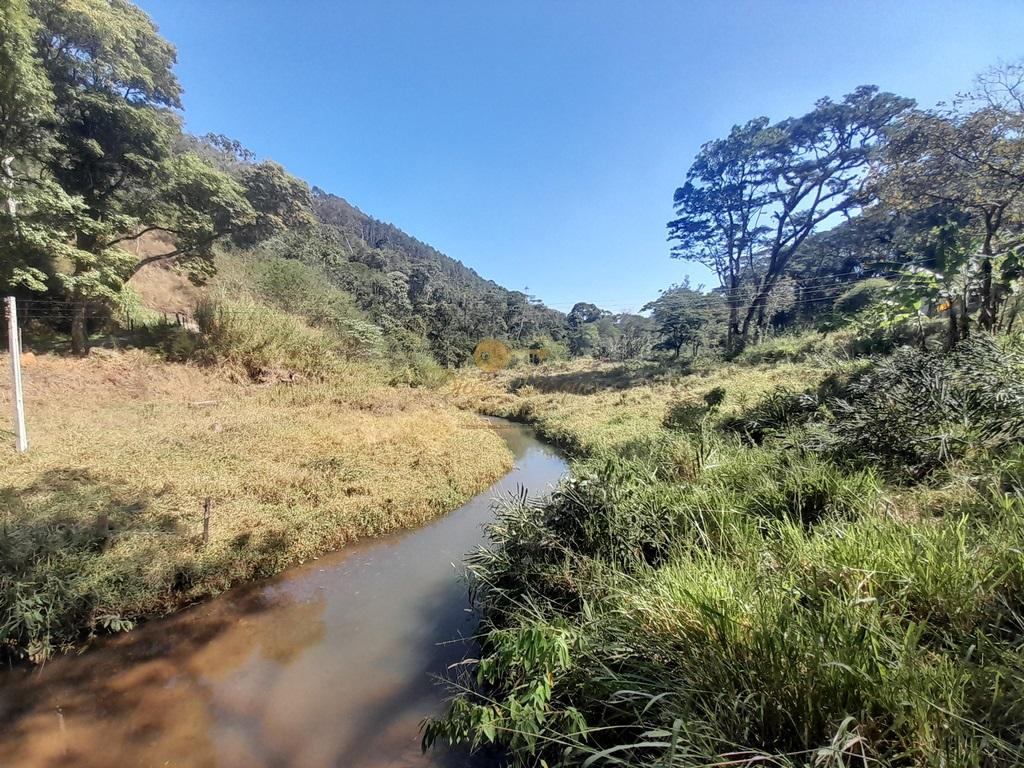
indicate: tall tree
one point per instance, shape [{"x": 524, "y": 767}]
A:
[
  {"x": 114, "y": 130},
  {"x": 719, "y": 211},
  {"x": 751, "y": 200},
  {"x": 966, "y": 162},
  {"x": 28, "y": 201}
]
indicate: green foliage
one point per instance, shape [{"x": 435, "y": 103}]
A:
[
  {"x": 860, "y": 296},
  {"x": 533, "y": 655},
  {"x": 797, "y": 347},
  {"x": 799, "y": 171},
  {"x": 776, "y": 412},
  {"x": 758, "y": 593},
  {"x": 406, "y": 286},
  {"x": 685, "y": 414},
  {"x": 783, "y": 615},
  {"x": 917, "y": 412},
  {"x": 42, "y": 603},
  {"x": 416, "y": 368},
  {"x": 687, "y": 318},
  {"x": 262, "y": 343},
  {"x": 96, "y": 147},
  {"x": 300, "y": 289}
]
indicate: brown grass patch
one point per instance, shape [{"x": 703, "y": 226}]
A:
[{"x": 125, "y": 448}]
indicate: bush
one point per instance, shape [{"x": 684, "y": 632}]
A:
[
  {"x": 859, "y": 297},
  {"x": 810, "y": 491},
  {"x": 417, "y": 369},
  {"x": 776, "y": 412},
  {"x": 798, "y": 347},
  {"x": 916, "y": 412},
  {"x": 43, "y": 605},
  {"x": 299, "y": 289},
  {"x": 262, "y": 343},
  {"x": 686, "y": 415}
]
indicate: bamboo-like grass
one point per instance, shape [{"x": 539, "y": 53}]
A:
[{"x": 693, "y": 597}]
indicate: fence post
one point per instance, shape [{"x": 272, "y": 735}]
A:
[
  {"x": 206, "y": 520},
  {"x": 17, "y": 395}
]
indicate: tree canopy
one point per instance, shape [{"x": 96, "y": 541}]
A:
[{"x": 752, "y": 199}]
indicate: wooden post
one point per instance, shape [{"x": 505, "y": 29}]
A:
[
  {"x": 206, "y": 520},
  {"x": 17, "y": 395}
]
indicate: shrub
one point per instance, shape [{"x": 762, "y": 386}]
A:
[
  {"x": 860, "y": 296},
  {"x": 417, "y": 369},
  {"x": 303, "y": 290},
  {"x": 809, "y": 491},
  {"x": 915, "y": 412},
  {"x": 262, "y": 343},
  {"x": 797, "y": 347},
  {"x": 686, "y": 415},
  {"x": 778, "y": 410}
]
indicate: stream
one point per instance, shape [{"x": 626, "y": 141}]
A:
[{"x": 332, "y": 663}]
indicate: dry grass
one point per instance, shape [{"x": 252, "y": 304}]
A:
[
  {"x": 162, "y": 289},
  {"x": 585, "y": 405},
  {"x": 125, "y": 448}
]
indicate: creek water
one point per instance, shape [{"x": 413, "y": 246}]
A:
[{"x": 332, "y": 663}]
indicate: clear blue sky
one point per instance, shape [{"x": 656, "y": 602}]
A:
[{"x": 540, "y": 142}]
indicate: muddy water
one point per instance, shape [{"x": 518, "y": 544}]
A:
[{"x": 329, "y": 664}]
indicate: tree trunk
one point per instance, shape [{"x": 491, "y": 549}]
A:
[
  {"x": 953, "y": 335},
  {"x": 734, "y": 315},
  {"x": 761, "y": 323},
  {"x": 756, "y": 308},
  {"x": 987, "y": 316},
  {"x": 79, "y": 326},
  {"x": 965, "y": 324}
]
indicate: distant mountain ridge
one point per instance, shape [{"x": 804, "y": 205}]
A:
[{"x": 338, "y": 212}]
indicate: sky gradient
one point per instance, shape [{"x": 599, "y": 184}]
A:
[{"x": 540, "y": 142}]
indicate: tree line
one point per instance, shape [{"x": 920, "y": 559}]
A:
[
  {"x": 867, "y": 209},
  {"x": 791, "y": 214}
]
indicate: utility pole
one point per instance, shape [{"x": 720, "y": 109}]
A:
[{"x": 17, "y": 396}]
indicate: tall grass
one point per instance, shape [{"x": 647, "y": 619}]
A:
[
  {"x": 698, "y": 598},
  {"x": 262, "y": 343}
]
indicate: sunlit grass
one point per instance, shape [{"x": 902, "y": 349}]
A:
[
  {"x": 102, "y": 518},
  {"x": 591, "y": 406},
  {"x": 702, "y": 592}
]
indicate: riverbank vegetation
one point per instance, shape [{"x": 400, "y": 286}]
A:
[
  {"x": 793, "y": 532},
  {"x": 819, "y": 566},
  {"x": 101, "y": 522}
]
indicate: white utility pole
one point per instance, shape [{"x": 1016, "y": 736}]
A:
[{"x": 17, "y": 396}]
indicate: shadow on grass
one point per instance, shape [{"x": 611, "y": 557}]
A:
[
  {"x": 599, "y": 379},
  {"x": 60, "y": 582}
]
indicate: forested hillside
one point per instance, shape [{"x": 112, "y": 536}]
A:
[
  {"x": 81, "y": 195},
  {"x": 408, "y": 287}
]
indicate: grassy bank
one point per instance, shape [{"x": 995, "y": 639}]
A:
[
  {"x": 102, "y": 520},
  {"x": 830, "y": 574},
  {"x": 591, "y": 406}
]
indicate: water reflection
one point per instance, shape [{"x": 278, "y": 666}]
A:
[{"x": 330, "y": 664}]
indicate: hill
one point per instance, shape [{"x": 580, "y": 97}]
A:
[{"x": 410, "y": 289}]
